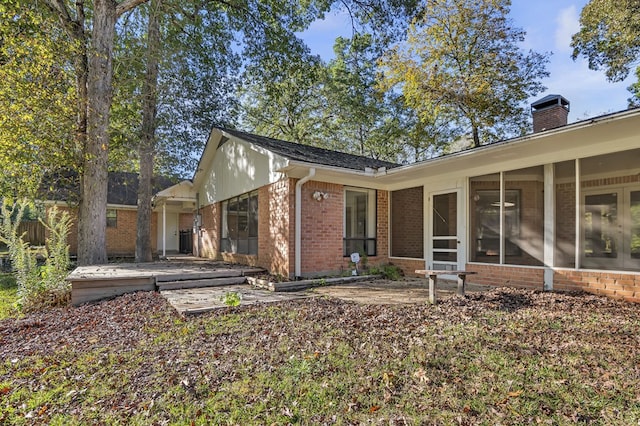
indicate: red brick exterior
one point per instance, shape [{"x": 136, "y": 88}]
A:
[
  {"x": 614, "y": 284},
  {"x": 321, "y": 230},
  {"x": 408, "y": 266},
  {"x": 407, "y": 223},
  {"x": 121, "y": 239},
  {"x": 276, "y": 227},
  {"x": 506, "y": 275},
  {"x": 550, "y": 118},
  {"x": 210, "y": 231},
  {"x": 185, "y": 222}
]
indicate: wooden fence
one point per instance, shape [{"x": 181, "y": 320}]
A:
[{"x": 34, "y": 232}]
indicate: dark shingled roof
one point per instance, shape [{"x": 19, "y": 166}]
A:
[
  {"x": 311, "y": 154},
  {"x": 122, "y": 187}
]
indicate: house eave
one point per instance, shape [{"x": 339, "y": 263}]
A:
[{"x": 333, "y": 174}]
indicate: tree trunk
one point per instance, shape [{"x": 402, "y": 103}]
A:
[
  {"x": 147, "y": 141},
  {"x": 92, "y": 220},
  {"x": 82, "y": 71},
  {"x": 476, "y": 136}
]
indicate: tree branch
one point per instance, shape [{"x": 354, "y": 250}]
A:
[
  {"x": 128, "y": 5},
  {"x": 70, "y": 25}
]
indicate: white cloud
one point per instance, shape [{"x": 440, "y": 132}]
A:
[{"x": 568, "y": 24}]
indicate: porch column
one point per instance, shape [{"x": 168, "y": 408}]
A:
[
  {"x": 549, "y": 226},
  {"x": 578, "y": 218},
  {"x": 164, "y": 230}
]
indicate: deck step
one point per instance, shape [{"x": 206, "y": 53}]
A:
[
  {"x": 206, "y": 282},
  {"x": 199, "y": 275}
]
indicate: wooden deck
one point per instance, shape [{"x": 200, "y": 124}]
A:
[{"x": 91, "y": 283}]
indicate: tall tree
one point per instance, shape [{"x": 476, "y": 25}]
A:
[
  {"x": 147, "y": 147},
  {"x": 282, "y": 96},
  {"x": 36, "y": 99},
  {"x": 94, "y": 73},
  {"x": 364, "y": 117},
  {"x": 609, "y": 38},
  {"x": 462, "y": 63}
]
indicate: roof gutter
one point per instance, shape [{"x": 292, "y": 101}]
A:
[{"x": 298, "y": 230}]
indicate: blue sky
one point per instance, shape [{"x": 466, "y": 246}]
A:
[{"x": 549, "y": 25}]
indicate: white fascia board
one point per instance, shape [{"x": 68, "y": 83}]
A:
[
  {"x": 182, "y": 191},
  {"x": 206, "y": 159},
  {"x": 333, "y": 174},
  {"x": 615, "y": 132}
]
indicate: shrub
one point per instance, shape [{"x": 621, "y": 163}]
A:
[
  {"x": 390, "y": 272},
  {"x": 38, "y": 286}
]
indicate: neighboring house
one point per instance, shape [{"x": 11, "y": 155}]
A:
[
  {"x": 122, "y": 200},
  {"x": 556, "y": 209}
]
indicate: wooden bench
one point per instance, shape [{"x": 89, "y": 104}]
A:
[{"x": 432, "y": 276}]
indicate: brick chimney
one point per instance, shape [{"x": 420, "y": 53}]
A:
[{"x": 549, "y": 112}]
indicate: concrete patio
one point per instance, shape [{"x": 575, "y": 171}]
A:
[{"x": 372, "y": 292}]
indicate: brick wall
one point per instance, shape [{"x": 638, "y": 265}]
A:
[
  {"x": 185, "y": 221},
  {"x": 276, "y": 227},
  {"x": 549, "y": 118},
  {"x": 210, "y": 231},
  {"x": 407, "y": 223},
  {"x": 503, "y": 275},
  {"x": 322, "y": 229},
  {"x": 121, "y": 240},
  {"x": 408, "y": 266},
  {"x": 382, "y": 230},
  {"x": 565, "y": 224},
  {"x": 625, "y": 286}
]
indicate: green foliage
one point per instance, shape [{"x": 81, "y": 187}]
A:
[
  {"x": 38, "y": 286},
  {"x": 8, "y": 296},
  {"x": 23, "y": 259},
  {"x": 37, "y": 98},
  {"x": 56, "y": 268},
  {"x": 362, "y": 116},
  {"x": 609, "y": 38},
  {"x": 231, "y": 298},
  {"x": 389, "y": 272},
  {"x": 462, "y": 68},
  {"x": 283, "y": 97}
]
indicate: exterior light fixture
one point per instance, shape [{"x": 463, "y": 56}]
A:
[{"x": 319, "y": 196}]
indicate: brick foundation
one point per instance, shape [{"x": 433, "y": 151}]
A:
[
  {"x": 614, "y": 284},
  {"x": 504, "y": 275},
  {"x": 408, "y": 266}
]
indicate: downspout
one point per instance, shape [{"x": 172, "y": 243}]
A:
[{"x": 298, "y": 231}]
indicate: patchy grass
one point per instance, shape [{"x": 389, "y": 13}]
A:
[
  {"x": 8, "y": 296},
  {"x": 504, "y": 357}
]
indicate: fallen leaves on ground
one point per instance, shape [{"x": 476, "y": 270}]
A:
[{"x": 506, "y": 356}]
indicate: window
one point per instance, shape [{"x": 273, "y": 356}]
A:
[
  {"x": 112, "y": 218},
  {"x": 240, "y": 224},
  {"x": 512, "y": 221},
  {"x": 360, "y": 222}
]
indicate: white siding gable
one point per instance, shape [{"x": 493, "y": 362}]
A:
[{"x": 238, "y": 167}]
